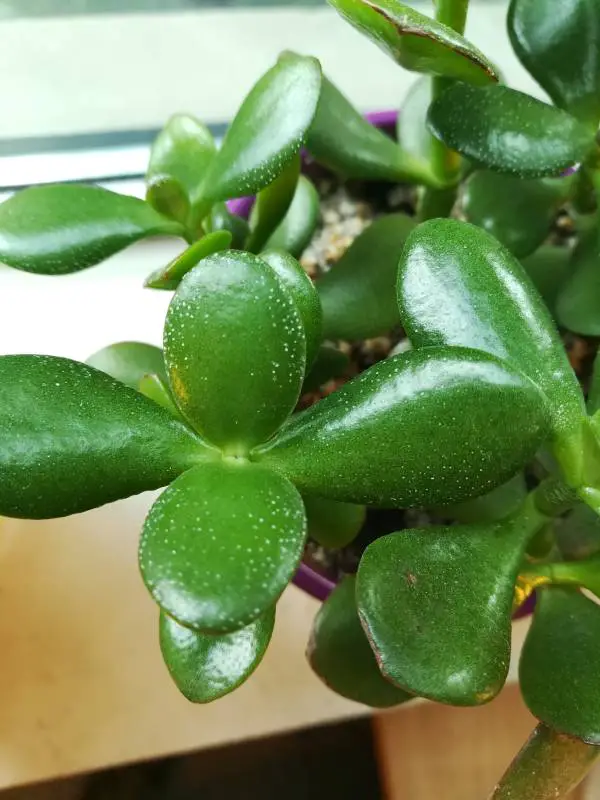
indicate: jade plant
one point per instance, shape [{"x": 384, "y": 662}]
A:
[{"x": 478, "y": 417}]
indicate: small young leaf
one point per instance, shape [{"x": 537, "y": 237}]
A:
[
  {"x": 155, "y": 388},
  {"x": 578, "y": 302},
  {"x": 304, "y": 294},
  {"x": 331, "y": 523},
  {"x": 168, "y": 197},
  {"x": 417, "y": 42},
  {"x": 169, "y": 277},
  {"x": 458, "y": 286},
  {"x": 411, "y": 127},
  {"x": 456, "y": 397},
  {"x": 72, "y": 438},
  {"x": 560, "y": 663},
  {"x": 271, "y": 205},
  {"x": 221, "y": 544},
  {"x": 206, "y": 667},
  {"x": 519, "y": 213},
  {"x": 128, "y": 362},
  {"x": 297, "y": 227},
  {"x": 436, "y": 604},
  {"x": 357, "y": 294},
  {"x": 508, "y": 131},
  {"x": 267, "y": 131},
  {"x": 182, "y": 151},
  {"x": 329, "y": 363},
  {"x": 222, "y": 219},
  {"x": 235, "y": 350},
  {"x": 341, "y": 656},
  {"x": 559, "y": 43},
  {"x": 548, "y": 268},
  {"x": 58, "y": 229}
]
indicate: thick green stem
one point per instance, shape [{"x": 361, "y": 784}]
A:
[
  {"x": 553, "y": 497},
  {"x": 452, "y": 13},
  {"x": 548, "y": 767}
]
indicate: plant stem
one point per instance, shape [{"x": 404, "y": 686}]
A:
[
  {"x": 552, "y": 497},
  {"x": 548, "y": 767},
  {"x": 452, "y": 13}
]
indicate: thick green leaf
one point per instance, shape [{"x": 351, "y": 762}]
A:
[
  {"x": 458, "y": 286},
  {"x": 411, "y": 127},
  {"x": 519, "y": 213},
  {"x": 235, "y": 350},
  {"x": 578, "y": 533},
  {"x": 221, "y": 544},
  {"x": 578, "y": 302},
  {"x": 342, "y": 139},
  {"x": 72, "y": 438},
  {"x": 508, "y": 131},
  {"x": 169, "y": 277},
  {"x": 560, "y": 663},
  {"x": 168, "y": 197},
  {"x": 370, "y": 441},
  {"x": 490, "y": 507},
  {"x": 304, "y": 294},
  {"x": 271, "y": 205},
  {"x": 340, "y": 654},
  {"x": 206, "y": 667},
  {"x": 548, "y": 268},
  {"x": 267, "y": 131},
  {"x": 297, "y": 227},
  {"x": 57, "y": 229},
  {"x": 559, "y": 43},
  {"x": 222, "y": 219},
  {"x": 547, "y": 767},
  {"x": 436, "y": 604},
  {"x": 330, "y": 363},
  {"x": 417, "y": 42},
  {"x": 182, "y": 151},
  {"x": 331, "y": 523},
  {"x": 129, "y": 362},
  {"x": 357, "y": 294}
]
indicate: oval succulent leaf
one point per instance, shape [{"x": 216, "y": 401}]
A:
[
  {"x": 168, "y": 197},
  {"x": 341, "y": 656},
  {"x": 508, "y": 131},
  {"x": 331, "y": 523},
  {"x": 271, "y": 205},
  {"x": 72, "y": 438},
  {"x": 560, "y": 663},
  {"x": 357, "y": 294},
  {"x": 129, "y": 362},
  {"x": 417, "y": 42},
  {"x": 206, "y": 667},
  {"x": 458, "y": 286},
  {"x": 267, "y": 131},
  {"x": 235, "y": 350},
  {"x": 559, "y": 44},
  {"x": 304, "y": 294},
  {"x": 411, "y": 127},
  {"x": 578, "y": 301},
  {"x": 58, "y": 229},
  {"x": 548, "y": 269},
  {"x": 297, "y": 227},
  {"x": 578, "y": 533},
  {"x": 458, "y": 398},
  {"x": 436, "y": 604},
  {"x": 170, "y": 277},
  {"x": 155, "y": 388},
  {"x": 221, "y": 544},
  {"x": 519, "y": 213}
]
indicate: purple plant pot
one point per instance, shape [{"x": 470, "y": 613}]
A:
[{"x": 307, "y": 578}]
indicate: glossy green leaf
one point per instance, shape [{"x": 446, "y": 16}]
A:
[
  {"x": 411, "y": 127},
  {"x": 340, "y": 654},
  {"x": 57, "y": 229},
  {"x": 297, "y": 227},
  {"x": 547, "y": 767},
  {"x": 169, "y": 277},
  {"x": 206, "y": 667},
  {"x": 329, "y": 363},
  {"x": 342, "y": 139},
  {"x": 508, "y": 131},
  {"x": 491, "y": 507},
  {"x": 72, "y": 438},
  {"x": 578, "y": 533},
  {"x": 235, "y": 350},
  {"x": 548, "y": 268},
  {"x": 155, "y": 388},
  {"x": 417, "y": 42},
  {"x": 519, "y": 213},
  {"x": 271, "y": 205},
  {"x": 456, "y": 397},
  {"x": 458, "y": 286},
  {"x": 304, "y": 294},
  {"x": 560, "y": 663},
  {"x": 168, "y": 197},
  {"x": 222, "y": 219},
  {"x": 331, "y": 523},
  {"x": 183, "y": 150},
  {"x": 267, "y": 131},
  {"x": 559, "y": 44},
  {"x": 578, "y": 302},
  {"x": 221, "y": 544},
  {"x": 357, "y": 294},
  {"x": 436, "y": 604},
  {"x": 128, "y": 362}
]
